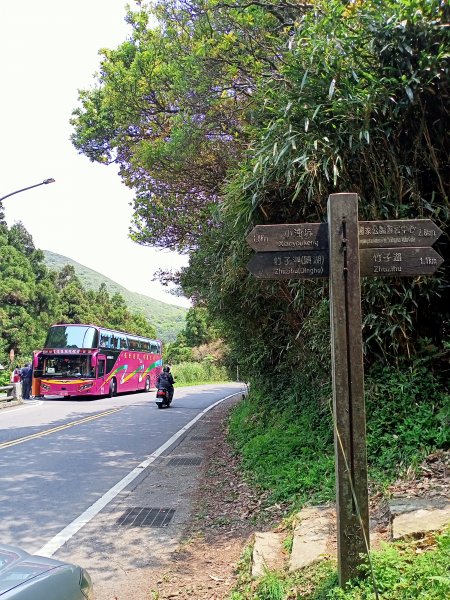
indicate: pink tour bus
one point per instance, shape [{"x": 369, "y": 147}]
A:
[{"x": 87, "y": 360}]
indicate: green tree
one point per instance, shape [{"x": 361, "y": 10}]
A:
[
  {"x": 198, "y": 329},
  {"x": 169, "y": 107},
  {"x": 28, "y": 298}
]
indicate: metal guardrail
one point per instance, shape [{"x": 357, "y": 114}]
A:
[{"x": 7, "y": 388}]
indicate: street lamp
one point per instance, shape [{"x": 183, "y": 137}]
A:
[{"x": 28, "y": 188}]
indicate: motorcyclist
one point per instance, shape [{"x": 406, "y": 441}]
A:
[{"x": 165, "y": 381}]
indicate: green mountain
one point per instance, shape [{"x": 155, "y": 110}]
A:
[{"x": 168, "y": 319}]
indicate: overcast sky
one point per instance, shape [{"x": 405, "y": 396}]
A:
[{"x": 49, "y": 50}]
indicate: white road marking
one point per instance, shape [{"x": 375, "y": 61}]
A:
[{"x": 65, "y": 534}]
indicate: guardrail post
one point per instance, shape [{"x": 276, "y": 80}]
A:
[{"x": 17, "y": 391}]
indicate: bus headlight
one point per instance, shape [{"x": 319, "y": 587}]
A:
[
  {"x": 85, "y": 386},
  {"x": 45, "y": 387}
]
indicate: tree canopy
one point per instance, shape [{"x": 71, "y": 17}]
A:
[{"x": 227, "y": 115}]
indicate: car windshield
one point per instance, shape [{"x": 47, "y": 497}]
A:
[
  {"x": 71, "y": 336},
  {"x": 68, "y": 366}
]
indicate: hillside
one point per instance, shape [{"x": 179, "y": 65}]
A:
[{"x": 168, "y": 319}]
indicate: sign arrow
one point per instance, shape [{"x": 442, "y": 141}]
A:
[
  {"x": 398, "y": 262},
  {"x": 298, "y": 236},
  {"x": 372, "y": 234},
  {"x": 374, "y": 262},
  {"x": 306, "y": 264},
  {"x": 403, "y": 233}
]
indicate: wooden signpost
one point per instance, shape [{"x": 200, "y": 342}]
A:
[{"x": 343, "y": 250}]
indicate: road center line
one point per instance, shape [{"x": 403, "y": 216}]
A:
[
  {"x": 65, "y": 534},
  {"x": 34, "y": 436}
]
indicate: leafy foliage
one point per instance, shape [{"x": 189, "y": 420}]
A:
[
  {"x": 228, "y": 115},
  {"x": 285, "y": 438},
  {"x": 285, "y": 433},
  {"x": 32, "y": 298},
  {"x": 408, "y": 417},
  {"x": 167, "y": 108}
]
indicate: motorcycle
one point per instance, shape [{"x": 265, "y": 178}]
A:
[{"x": 163, "y": 398}]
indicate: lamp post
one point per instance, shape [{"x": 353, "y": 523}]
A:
[{"x": 45, "y": 182}]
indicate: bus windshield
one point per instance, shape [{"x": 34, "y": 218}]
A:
[
  {"x": 72, "y": 336},
  {"x": 68, "y": 366}
]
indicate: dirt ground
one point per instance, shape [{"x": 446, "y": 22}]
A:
[{"x": 227, "y": 512}]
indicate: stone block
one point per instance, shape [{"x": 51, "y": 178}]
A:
[
  {"x": 420, "y": 521},
  {"x": 267, "y": 553}
]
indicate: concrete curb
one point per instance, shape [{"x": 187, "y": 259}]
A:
[{"x": 9, "y": 403}]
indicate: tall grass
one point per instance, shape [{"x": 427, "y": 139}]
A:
[{"x": 191, "y": 373}]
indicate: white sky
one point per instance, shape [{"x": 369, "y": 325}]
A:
[{"x": 49, "y": 50}]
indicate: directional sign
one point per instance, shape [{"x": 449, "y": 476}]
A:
[
  {"x": 398, "y": 262},
  {"x": 306, "y": 264},
  {"x": 372, "y": 234},
  {"x": 374, "y": 262},
  {"x": 391, "y": 234},
  {"x": 298, "y": 236},
  {"x": 345, "y": 250}
]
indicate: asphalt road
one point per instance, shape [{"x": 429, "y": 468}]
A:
[{"x": 65, "y": 463}]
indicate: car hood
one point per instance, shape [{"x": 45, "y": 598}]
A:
[{"x": 17, "y": 567}]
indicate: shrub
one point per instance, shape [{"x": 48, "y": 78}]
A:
[
  {"x": 408, "y": 415},
  {"x": 189, "y": 373}
]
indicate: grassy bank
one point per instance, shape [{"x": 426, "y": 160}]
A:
[{"x": 285, "y": 433}]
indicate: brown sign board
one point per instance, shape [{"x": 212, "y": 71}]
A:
[
  {"x": 306, "y": 264},
  {"x": 402, "y": 233},
  {"x": 374, "y": 262},
  {"x": 398, "y": 262},
  {"x": 296, "y": 236},
  {"x": 372, "y": 234}
]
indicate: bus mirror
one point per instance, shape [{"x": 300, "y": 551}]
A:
[
  {"x": 35, "y": 361},
  {"x": 94, "y": 361}
]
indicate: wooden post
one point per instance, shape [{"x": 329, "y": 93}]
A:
[{"x": 348, "y": 385}]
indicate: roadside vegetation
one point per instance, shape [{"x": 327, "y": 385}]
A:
[
  {"x": 227, "y": 116},
  {"x": 287, "y": 445},
  {"x": 196, "y": 373},
  {"x": 402, "y": 571},
  {"x": 198, "y": 355}
]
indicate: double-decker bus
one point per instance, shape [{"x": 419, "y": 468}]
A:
[{"x": 87, "y": 360}]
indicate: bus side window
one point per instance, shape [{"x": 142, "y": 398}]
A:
[{"x": 105, "y": 340}]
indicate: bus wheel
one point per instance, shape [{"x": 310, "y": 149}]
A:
[
  {"x": 147, "y": 384},
  {"x": 112, "y": 388}
]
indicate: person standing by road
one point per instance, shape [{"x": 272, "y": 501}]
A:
[
  {"x": 26, "y": 374},
  {"x": 15, "y": 376}
]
